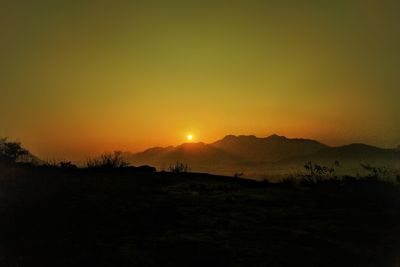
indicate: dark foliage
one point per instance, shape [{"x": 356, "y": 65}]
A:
[
  {"x": 67, "y": 165},
  {"x": 13, "y": 152},
  {"x": 317, "y": 173},
  {"x": 375, "y": 172},
  {"x": 179, "y": 168},
  {"x": 107, "y": 161}
]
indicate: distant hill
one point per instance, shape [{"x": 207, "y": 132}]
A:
[
  {"x": 270, "y": 149},
  {"x": 350, "y": 153},
  {"x": 255, "y": 155}
]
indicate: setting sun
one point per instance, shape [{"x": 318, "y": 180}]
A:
[{"x": 189, "y": 137}]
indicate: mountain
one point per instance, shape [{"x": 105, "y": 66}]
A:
[
  {"x": 356, "y": 153},
  {"x": 270, "y": 149},
  {"x": 255, "y": 156}
]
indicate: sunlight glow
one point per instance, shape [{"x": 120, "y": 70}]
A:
[{"x": 189, "y": 137}]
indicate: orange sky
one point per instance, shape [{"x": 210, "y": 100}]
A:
[{"x": 80, "y": 78}]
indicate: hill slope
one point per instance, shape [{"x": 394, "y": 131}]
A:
[{"x": 53, "y": 217}]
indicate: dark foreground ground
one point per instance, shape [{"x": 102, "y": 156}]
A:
[{"x": 122, "y": 218}]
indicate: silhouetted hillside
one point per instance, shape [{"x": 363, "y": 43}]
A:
[
  {"x": 55, "y": 216},
  {"x": 113, "y": 214}
]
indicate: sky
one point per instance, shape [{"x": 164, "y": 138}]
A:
[{"x": 80, "y": 78}]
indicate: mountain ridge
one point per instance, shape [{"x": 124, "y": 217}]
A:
[{"x": 259, "y": 154}]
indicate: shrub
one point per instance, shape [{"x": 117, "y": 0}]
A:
[
  {"x": 107, "y": 161},
  {"x": 52, "y": 163},
  {"x": 317, "y": 173},
  {"x": 375, "y": 172},
  {"x": 179, "y": 168},
  {"x": 67, "y": 165}
]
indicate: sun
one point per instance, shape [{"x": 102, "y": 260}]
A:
[{"x": 189, "y": 137}]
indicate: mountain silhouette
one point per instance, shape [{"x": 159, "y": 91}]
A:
[
  {"x": 355, "y": 152},
  {"x": 270, "y": 149},
  {"x": 257, "y": 155}
]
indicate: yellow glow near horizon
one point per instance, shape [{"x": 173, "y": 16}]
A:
[{"x": 189, "y": 137}]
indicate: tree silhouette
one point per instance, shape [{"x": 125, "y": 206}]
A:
[{"x": 14, "y": 152}]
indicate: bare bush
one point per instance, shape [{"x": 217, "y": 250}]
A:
[
  {"x": 317, "y": 173},
  {"x": 107, "y": 161},
  {"x": 179, "y": 168},
  {"x": 52, "y": 163},
  {"x": 375, "y": 172}
]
